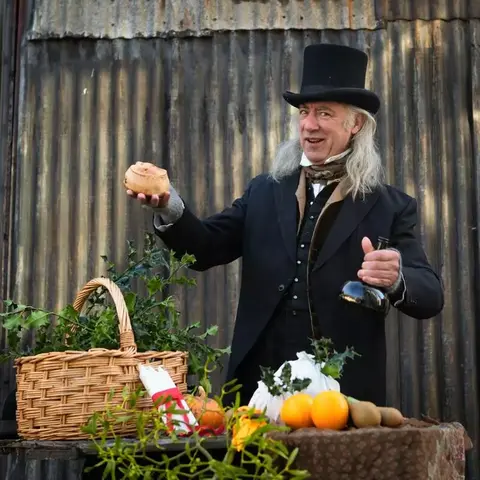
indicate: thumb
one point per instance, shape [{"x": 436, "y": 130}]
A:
[{"x": 367, "y": 246}]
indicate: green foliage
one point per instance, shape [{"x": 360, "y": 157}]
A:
[
  {"x": 153, "y": 313},
  {"x": 262, "y": 456},
  {"x": 333, "y": 361},
  {"x": 285, "y": 382},
  {"x": 332, "y": 365}
]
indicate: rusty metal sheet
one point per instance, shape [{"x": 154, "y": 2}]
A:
[
  {"x": 147, "y": 18},
  {"x": 474, "y": 341},
  {"x": 8, "y": 86},
  {"x": 210, "y": 110},
  {"x": 427, "y": 10}
]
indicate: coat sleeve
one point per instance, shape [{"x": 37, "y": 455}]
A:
[
  {"x": 423, "y": 296},
  {"x": 217, "y": 240}
]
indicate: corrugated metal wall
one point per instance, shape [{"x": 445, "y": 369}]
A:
[
  {"x": 8, "y": 104},
  {"x": 207, "y": 105},
  {"x": 118, "y": 19}
]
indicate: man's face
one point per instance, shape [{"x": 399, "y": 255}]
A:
[{"x": 326, "y": 129}]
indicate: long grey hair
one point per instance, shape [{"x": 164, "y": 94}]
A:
[{"x": 363, "y": 165}]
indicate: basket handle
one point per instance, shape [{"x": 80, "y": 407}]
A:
[{"x": 127, "y": 339}]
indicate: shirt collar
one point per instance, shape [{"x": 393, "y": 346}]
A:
[{"x": 305, "y": 162}]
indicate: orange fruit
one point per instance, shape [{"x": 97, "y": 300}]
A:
[
  {"x": 296, "y": 411},
  {"x": 330, "y": 410}
]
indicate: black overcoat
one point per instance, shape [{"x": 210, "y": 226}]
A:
[{"x": 260, "y": 227}]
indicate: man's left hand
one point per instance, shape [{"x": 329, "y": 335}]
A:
[{"x": 380, "y": 268}]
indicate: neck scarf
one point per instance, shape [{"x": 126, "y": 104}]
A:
[{"x": 332, "y": 170}]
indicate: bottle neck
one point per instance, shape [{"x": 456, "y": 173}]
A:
[{"x": 382, "y": 243}]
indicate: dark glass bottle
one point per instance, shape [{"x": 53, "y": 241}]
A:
[{"x": 356, "y": 291}]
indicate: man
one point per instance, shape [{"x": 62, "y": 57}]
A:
[{"x": 306, "y": 228}]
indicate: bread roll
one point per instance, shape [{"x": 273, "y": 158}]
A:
[{"x": 146, "y": 178}]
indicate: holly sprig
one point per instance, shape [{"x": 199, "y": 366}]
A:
[
  {"x": 332, "y": 361},
  {"x": 332, "y": 364},
  {"x": 284, "y": 383},
  {"x": 147, "y": 280}
]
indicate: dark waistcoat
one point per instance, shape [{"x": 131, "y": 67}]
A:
[{"x": 293, "y": 325}]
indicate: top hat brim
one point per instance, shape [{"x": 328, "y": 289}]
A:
[{"x": 358, "y": 97}]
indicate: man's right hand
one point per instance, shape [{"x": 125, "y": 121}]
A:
[{"x": 154, "y": 201}]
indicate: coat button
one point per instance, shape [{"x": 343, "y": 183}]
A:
[{"x": 281, "y": 288}]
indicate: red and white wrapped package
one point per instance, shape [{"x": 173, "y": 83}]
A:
[{"x": 166, "y": 395}]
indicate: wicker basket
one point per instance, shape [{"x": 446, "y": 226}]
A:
[{"x": 58, "y": 392}]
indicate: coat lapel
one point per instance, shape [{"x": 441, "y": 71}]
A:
[
  {"x": 286, "y": 205},
  {"x": 350, "y": 215}
]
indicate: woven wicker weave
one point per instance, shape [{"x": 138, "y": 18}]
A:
[{"x": 58, "y": 392}]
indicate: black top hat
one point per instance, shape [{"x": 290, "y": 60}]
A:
[{"x": 334, "y": 73}]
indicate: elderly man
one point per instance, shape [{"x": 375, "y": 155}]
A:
[{"x": 307, "y": 227}]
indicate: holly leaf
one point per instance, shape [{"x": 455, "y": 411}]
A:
[
  {"x": 300, "y": 384},
  {"x": 69, "y": 312},
  {"x": 267, "y": 376},
  {"x": 130, "y": 300},
  {"x": 322, "y": 349},
  {"x": 13, "y": 322},
  {"x": 286, "y": 375},
  {"x": 37, "y": 319},
  {"x": 154, "y": 285},
  {"x": 334, "y": 365}
]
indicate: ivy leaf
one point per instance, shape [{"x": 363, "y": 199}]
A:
[{"x": 37, "y": 319}]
